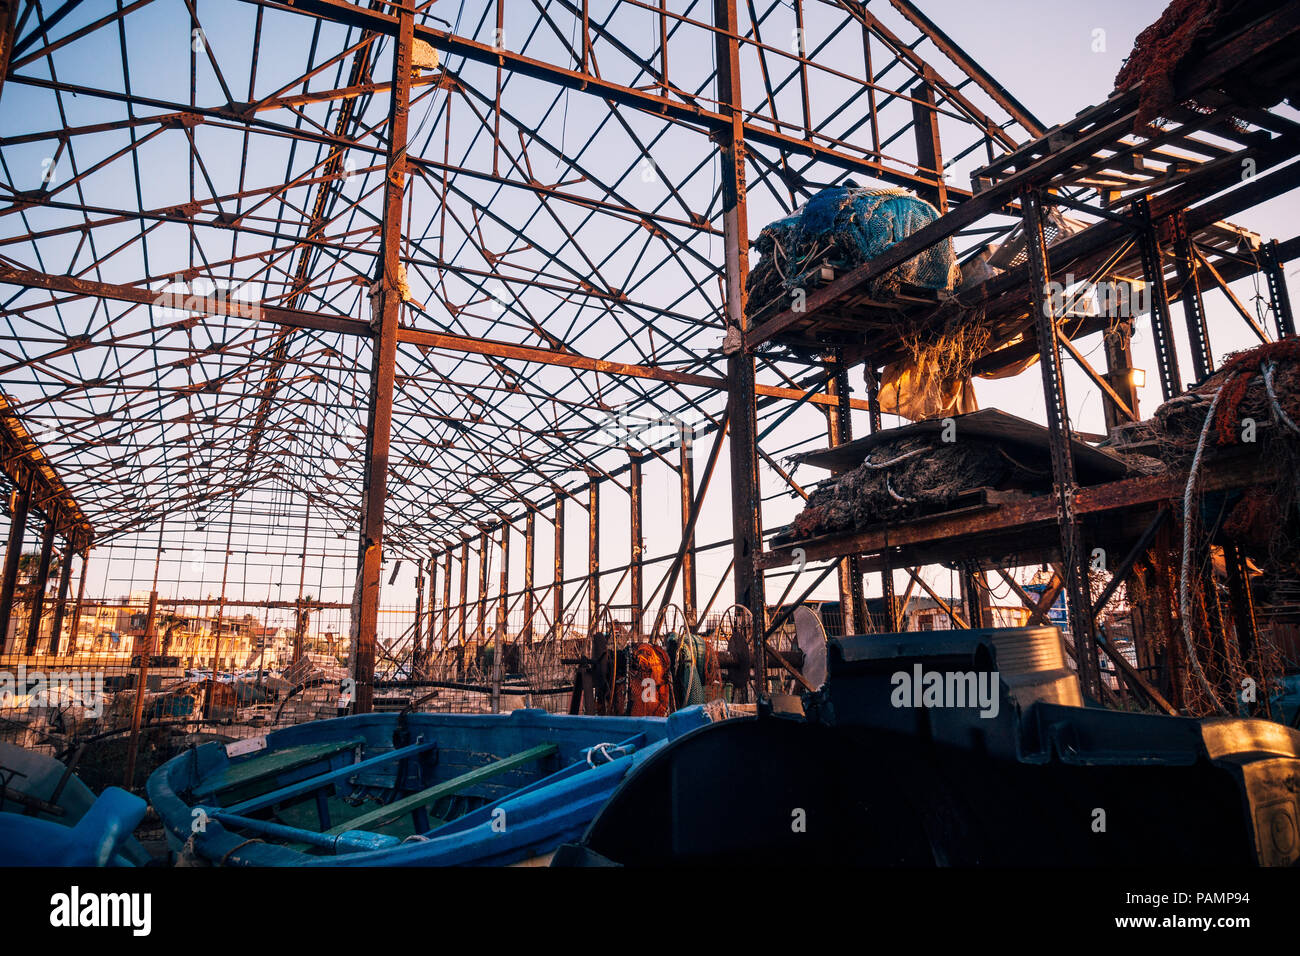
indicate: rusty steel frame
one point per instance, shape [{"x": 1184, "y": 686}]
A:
[{"x": 488, "y": 284}]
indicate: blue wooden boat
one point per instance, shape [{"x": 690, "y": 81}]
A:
[
  {"x": 48, "y": 817},
  {"x": 404, "y": 789}
]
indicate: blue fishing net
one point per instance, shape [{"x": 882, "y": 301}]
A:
[{"x": 845, "y": 226}]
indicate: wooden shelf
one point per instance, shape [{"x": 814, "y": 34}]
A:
[{"x": 1011, "y": 527}]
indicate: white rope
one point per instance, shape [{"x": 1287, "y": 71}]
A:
[
  {"x": 896, "y": 496},
  {"x": 1268, "y": 368},
  {"x": 1184, "y": 594},
  {"x": 604, "y": 750},
  {"x": 874, "y": 465}
]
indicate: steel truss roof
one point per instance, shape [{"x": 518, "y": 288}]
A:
[{"x": 191, "y": 203}]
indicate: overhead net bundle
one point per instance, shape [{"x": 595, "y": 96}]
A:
[
  {"x": 1164, "y": 51},
  {"x": 844, "y": 227}
]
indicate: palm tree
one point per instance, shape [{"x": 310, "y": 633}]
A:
[{"x": 172, "y": 623}]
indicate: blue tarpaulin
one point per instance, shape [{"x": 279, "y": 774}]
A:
[{"x": 845, "y": 226}]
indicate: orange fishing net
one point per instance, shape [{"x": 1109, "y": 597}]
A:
[
  {"x": 648, "y": 683},
  {"x": 1160, "y": 50},
  {"x": 1239, "y": 371}
]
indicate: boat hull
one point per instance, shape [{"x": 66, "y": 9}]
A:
[{"x": 522, "y": 815}]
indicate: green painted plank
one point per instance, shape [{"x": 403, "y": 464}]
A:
[
  {"x": 270, "y": 764},
  {"x": 312, "y": 784},
  {"x": 448, "y": 787}
]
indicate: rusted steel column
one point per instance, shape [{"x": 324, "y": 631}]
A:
[
  {"x": 1119, "y": 372},
  {"x": 1162, "y": 331},
  {"x": 638, "y": 542},
  {"x": 76, "y": 607},
  {"x": 432, "y": 617},
  {"x": 1198, "y": 333},
  {"x": 593, "y": 551},
  {"x": 386, "y": 305},
  {"x": 141, "y": 687},
  {"x": 874, "y": 422},
  {"x": 1277, "y": 291},
  {"x": 38, "y": 587},
  {"x": 503, "y": 589},
  {"x": 1243, "y": 609},
  {"x": 746, "y": 516},
  {"x": 464, "y": 592},
  {"x": 929, "y": 156},
  {"x": 970, "y": 598},
  {"x": 872, "y": 378},
  {"x": 19, "y": 505},
  {"x": 686, "y": 470},
  {"x": 61, "y": 602},
  {"x": 445, "y": 631},
  {"x": 840, "y": 428},
  {"x": 417, "y": 627},
  {"x": 557, "y": 590},
  {"x": 221, "y": 610},
  {"x": 1074, "y": 560},
  {"x": 530, "y": 594},
  {"x": 480, "y": 618},
  {"x": 8, "y": 27},
  {"x": 301, "y": 612}
]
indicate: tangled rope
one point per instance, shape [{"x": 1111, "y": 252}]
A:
[
  {"x": 878, "y": 465},
  {"x": 1184, "y": 593},
  {"x": 1267, "y": 368},
  {"x": 608, "y": 750}
]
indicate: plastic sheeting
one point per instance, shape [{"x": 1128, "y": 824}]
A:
[{"x": 846, "y": 226}]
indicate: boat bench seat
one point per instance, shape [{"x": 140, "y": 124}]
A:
[
  {"x": 417, "y": 803},
  {"x": 270, "y": 765},
  {"x": 484, "y": 813},
  {"x": 320, "y": 781}
]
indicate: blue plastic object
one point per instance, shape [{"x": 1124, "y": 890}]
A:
[
  {"x": 95, "y": 840},
  {"x": 849, "y": 225}
]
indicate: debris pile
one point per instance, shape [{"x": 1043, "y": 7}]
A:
[{"x": 843, "y": 227}]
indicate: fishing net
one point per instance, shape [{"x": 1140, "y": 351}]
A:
[
  {"x": 1263, "y": 520},
  {"x": 1249, "y": 408},
  {"x": 934, "y": 381},
  {"x": 1163, "y": 50},
  {"x": 697, "y": 677},
  {"x": 908, "y": 476},
  {"x": 843, "y": 227},
  {"x": 643, "y": 688}
]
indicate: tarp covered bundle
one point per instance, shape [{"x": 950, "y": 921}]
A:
[
  {"x": 907, "y": 476},
  {"x": 845, "y": 226}
]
